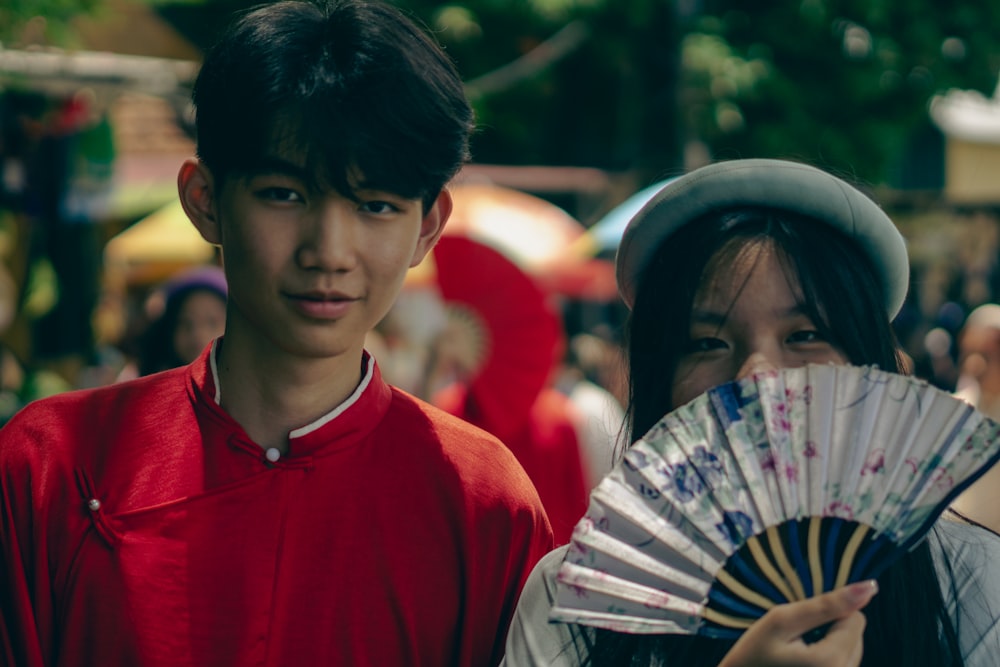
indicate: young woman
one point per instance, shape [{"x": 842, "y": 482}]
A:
[
  {"x": 733, "y": 269},
  {"x": 194, "y": 314}
]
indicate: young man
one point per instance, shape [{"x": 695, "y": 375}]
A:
[{"x": 275, "y": 503}]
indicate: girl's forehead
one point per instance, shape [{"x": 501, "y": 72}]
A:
[
  {"x": 733, "y": 266},
  {"x": 734, "y": 261}
]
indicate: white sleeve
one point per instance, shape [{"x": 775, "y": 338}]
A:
[
  {"x": 532, "y": 640},
  {"x": 600, "y": 420},
  {"x": 967, "y": 559}
]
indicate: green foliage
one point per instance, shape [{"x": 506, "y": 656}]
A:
[
  {"x": 605, "y": 100},
  {"x": 843, "y": 83},
  {"x": 626, "y": 85},
  {"x": 16, "y": 15}
]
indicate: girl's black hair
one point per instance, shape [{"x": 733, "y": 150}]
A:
[
  {"x": 908, "y": 622},
  {"x": 842, "y": 297},
  {"x": 350, "y": 89},
  {"x": 156, "y": 345}
]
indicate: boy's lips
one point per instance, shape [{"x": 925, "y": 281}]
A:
[{"x": 322, "y": 305}]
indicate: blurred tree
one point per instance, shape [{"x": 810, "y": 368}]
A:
[
  {"x": 568, "y": 82},
  {"x": 629, "y": 85},
  {"x": 37, "y": 20},
  {"x": 844, "y": 83},
  {"x": 841, "y": 83}
]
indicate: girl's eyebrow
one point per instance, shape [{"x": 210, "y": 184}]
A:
[
  {"x": 718, "y": 318},
  {"x": 704, "y": 316}
]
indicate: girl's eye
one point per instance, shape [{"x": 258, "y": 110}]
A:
[
  {"x": 706, "y": 344},
  {"x": 279, "y": 194},
  {"x": 806, "y": 336}
]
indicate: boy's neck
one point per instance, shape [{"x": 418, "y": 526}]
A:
[{"x": 272, "y": 397}]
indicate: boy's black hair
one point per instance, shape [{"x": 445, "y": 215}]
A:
[
  {"x": 351, "y": 91},
  {"x": 908, "y": 623}
]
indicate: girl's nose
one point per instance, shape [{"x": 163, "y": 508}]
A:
[{"x": 757, "y": 362}]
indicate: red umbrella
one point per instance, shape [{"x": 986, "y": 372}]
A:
[
  {"x": 503, "y": 334},
  {"x": 535, "y": 234},
  {"x": 497, "y": 353}
]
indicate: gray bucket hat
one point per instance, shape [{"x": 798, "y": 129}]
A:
[{"x": 778, "y": 184}]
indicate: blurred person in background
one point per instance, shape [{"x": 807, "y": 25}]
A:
[
  {"x": 929, "y": 343},
  {"x": 979, "y": 359},
  {"x": 490, "y": 358},
  {"x": 979, "y": 384},
  {"x": 192, "y": 314},
  {"x": 601, "y": 415}
]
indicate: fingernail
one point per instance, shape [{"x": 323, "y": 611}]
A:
[{"x": 862, "y": 591}]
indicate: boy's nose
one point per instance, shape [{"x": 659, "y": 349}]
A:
[{"x": 329, "y": 242}]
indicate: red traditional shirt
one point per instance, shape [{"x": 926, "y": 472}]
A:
[
  {"x": 140, "y": 525},
  {"x": 546, "y": 442}
]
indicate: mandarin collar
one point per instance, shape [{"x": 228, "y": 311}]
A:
[{"x": 343, "y": 426}]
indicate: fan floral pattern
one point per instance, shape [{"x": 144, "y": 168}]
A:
[{"x": 765, "y": 490}]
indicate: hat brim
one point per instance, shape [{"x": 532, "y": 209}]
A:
[{"x": 777, "y": 184}]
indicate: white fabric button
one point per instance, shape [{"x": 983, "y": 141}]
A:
[
  {"x": 272, "y": 454},
  {"x": 94, "y": 504}
]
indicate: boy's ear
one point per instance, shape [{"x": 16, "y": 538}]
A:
[
  {"x": 432, "y": 226},
  {"x": 197, "y": 191}
]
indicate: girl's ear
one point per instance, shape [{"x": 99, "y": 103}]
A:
[{"x": 198, "y": 195}]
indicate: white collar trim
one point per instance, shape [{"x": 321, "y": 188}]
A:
[
  {"x": 337, "y": 411},
  {"x": 322, "y": 421}
]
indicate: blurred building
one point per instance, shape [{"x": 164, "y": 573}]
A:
[
  {"x": 970, "y": 122},
  {"x": 91, "y": 141}
]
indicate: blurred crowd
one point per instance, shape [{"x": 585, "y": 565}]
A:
[{"x": 954, "y": 257}]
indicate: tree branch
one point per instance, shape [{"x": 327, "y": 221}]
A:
[{"x": 556, "y": 47}]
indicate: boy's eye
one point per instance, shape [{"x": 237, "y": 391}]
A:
[{"x": 279, "y": 194}]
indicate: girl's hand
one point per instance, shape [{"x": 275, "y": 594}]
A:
[{"x": 776, "y": 639}]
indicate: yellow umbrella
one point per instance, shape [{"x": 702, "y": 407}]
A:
[{"x": 156, "y": 247}]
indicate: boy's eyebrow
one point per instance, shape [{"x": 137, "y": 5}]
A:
[{"x": 270, "y": 164}]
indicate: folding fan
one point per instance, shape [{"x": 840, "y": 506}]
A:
[{"x": 766, "y": 490}]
